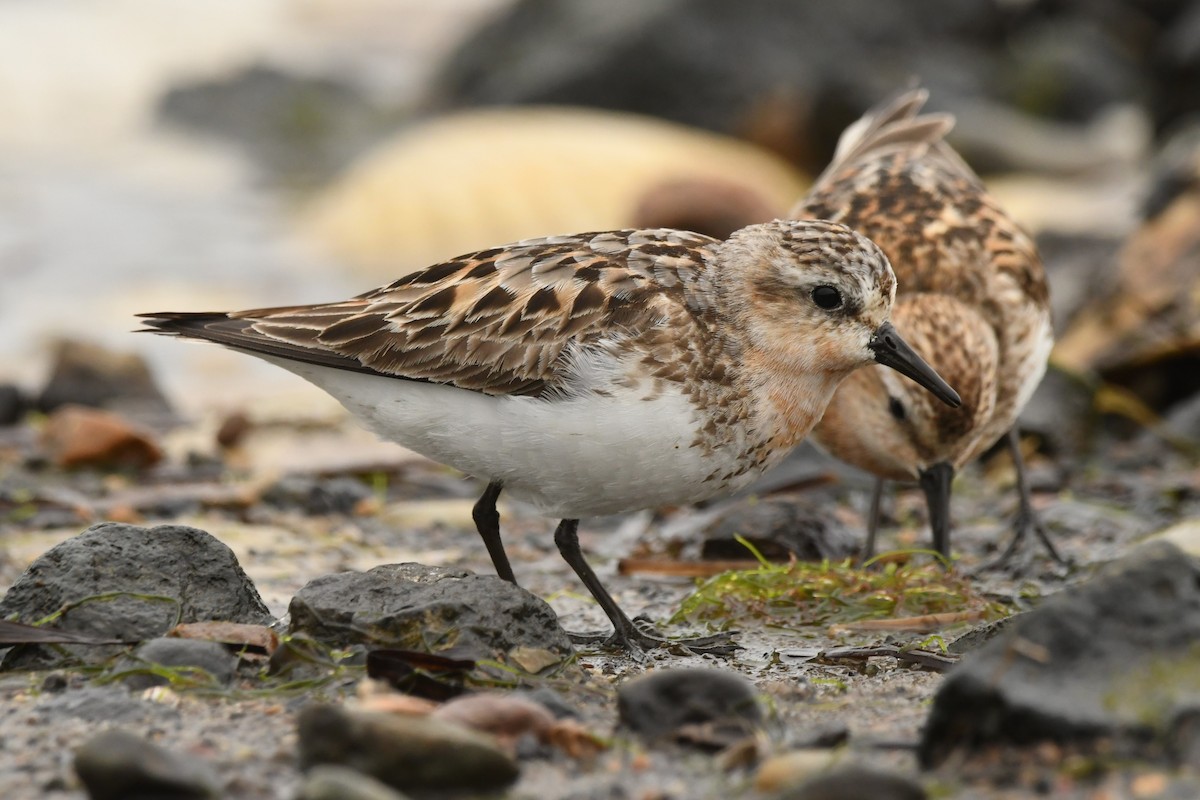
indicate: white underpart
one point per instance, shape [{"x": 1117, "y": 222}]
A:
[
  {"x": 1038, "y": 360},
  {"x": 576, "y": 456}
]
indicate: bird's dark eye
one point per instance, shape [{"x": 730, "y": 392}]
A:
[
  {"x": 827, "y": 297},
  {"x": 896, "y": 408}
]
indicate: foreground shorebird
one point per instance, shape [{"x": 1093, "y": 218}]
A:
[
  {"x": 972, "y": 300},
  {"x": 601, "y": 372}
]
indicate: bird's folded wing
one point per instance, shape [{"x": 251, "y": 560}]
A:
[{"x": 495, "y": 321}]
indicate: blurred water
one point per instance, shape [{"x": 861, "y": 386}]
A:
[{"x": 105, "y": 213}]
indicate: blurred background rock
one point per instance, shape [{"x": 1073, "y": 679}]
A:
[{"x": 173, "y": 154}]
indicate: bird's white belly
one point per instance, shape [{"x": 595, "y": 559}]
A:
[{"x": 574, "y": 457}]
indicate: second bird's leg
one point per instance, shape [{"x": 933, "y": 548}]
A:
[
  {"x": 626, "y": 633},
  {"x": 487, "y": 522},
  {"x": 868, "y": 550},
  {"x": 1027, "y": 519}
]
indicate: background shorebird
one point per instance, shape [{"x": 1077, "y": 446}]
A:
[
  {"x": 601, "y": 372},
  {"x": 972, "y": 300}
]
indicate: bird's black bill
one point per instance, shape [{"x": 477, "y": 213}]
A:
[
  {"x": 892, "y": 351},
  {"x": 935, "y": 482}
]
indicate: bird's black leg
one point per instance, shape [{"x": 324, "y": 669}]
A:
[
  {"x": 626, "y": 633},
  {"x": 1026, "y": 517},
  {"x": 487, "y": 522},
  {"x": 868, "y": 550},
  {"x": 935, "y": 482}
]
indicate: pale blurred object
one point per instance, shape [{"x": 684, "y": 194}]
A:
[
  {"x": 81, "y": 76},
  {"x": 477, "y": 179}
]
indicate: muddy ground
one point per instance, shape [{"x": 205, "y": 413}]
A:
[{"x": 419, "y": 511}]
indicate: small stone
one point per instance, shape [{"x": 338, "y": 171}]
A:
[
  {"x": 667, "y": 701},
  {"x": 339, "y": 783},
  {"x": 317, "y": 495},
  {"x": 211, "y": 657},
  {"x": 13, "y": 404},
  {"x": 130, "y": 583},
  {"x": 55, "y": 682},
  {"x": 233, "y": 429},
  {"x": 507, "y": 717},
  {"x": 856, "y": 783},
  {"x": 1183, "y": 738},
  {"x": 553, "y": 701},
  {"x": 715, "y": 207},
  {"x": 407, "y": 753},
  {"x": 1111, "y": 658},
  {"x": 117, "y": 765},
  {"x": 90, "y": 375},
  {"x": 75, "y": 436},
  {"x": 428, "y": 609}
]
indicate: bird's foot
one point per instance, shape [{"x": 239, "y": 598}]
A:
[
  {"x": 641, "y": 636},
  {"x": 1025, "y": 523}
]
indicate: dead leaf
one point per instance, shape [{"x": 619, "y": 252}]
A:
[
  {"x": 575, "y": 740},
  {"x": 683, "y": 569},
  {"x": 533, "y": 659},
  {"x": 924, "y": 623},
  {"x": 510, "y": 716},
  {"x": 236, "y": 634}
]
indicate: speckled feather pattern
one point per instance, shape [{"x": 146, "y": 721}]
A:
[
  {"x": 896, "y": 180},
  {"x": 628, "y": 327}
]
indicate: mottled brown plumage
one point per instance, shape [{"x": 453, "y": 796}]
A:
[
  {"x": 972, "y": 298},
  {"x": 600, "y": 372}
]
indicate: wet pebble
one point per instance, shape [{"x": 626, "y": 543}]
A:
[
  {"x": 127, "y": 582},
  {"x": 339, "y": 783},
  {"x": 117, "y": 765},
  {"x": 674, "y": 703},
  {"x": 507, "y": 717},
  {"x": 405, "y": 752},
  {"x": 429, "y": 609},
  {"x": 75, "y": 436},
  {"x": 1110, "y": 658},
  {"x": 317, "y": 495},
  {"x": 13, "y": 404},
  {"x": 212, "y": 657},
  {"x": 856, "y": 783},
  {"x": 87, "y": 374}
]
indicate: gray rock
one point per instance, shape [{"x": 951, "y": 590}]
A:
[
  {"x": 408, "y": 753},
  {"x": 126, "y": 582},
  {"x": 809, "y": 68},
  {"x": 212, "y": 657},
  {"x": 431, "y": 609},
  {"x": 90, "y": 375},
  {"x": 1112, "y": 658},
  {"x": 13, "y": 404},
  {"x": 340, "y": 783},
  {"x": 117, "y": 765},
  {"x": 856, "y": 783},
  {"x": 779, "y": 527},
  {"x": 1182, "y": 424},
  {"x": 675, "y": 702}
]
